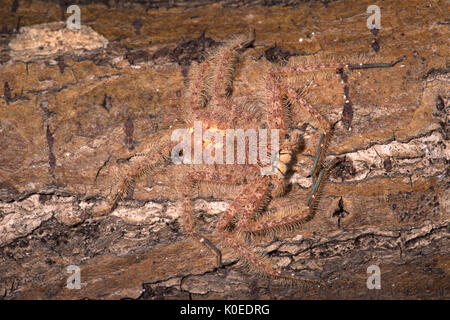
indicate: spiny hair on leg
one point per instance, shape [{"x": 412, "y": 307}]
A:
[
  {"x": 252, "y": 105},
  {"x": 323, "y": 59},
  {"x": 197, "y": 94},
  {"x": 300, "y": 280},
  {"x": 292, "y": 217},
  {"x": 306, "y": 82},
  {"x": 319, "y": 62},
  {"x": 291, "y": 278},
  {"x": 137, "y": 168},
  {"x": 321, "y": 151},
  {"x": 223, "y": 63},
  {"x": 287, "y": 110},
  {"x": 239, "y": 219},
  {"x": 258, "y": 212},
  {"x": 119, "y": 190},
  {"x": 279, "y": 184},
  {"x": 218, "y": 190},
  {"x": 326, "y": 146},
  {"x": 289, "y": 107},
  {"x": 314, "y": 199}
]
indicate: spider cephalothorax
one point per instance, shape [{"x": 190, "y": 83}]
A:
[{"x": 209, "y": 105}]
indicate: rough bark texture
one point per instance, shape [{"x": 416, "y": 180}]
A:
[{"x": 71, "y": 117}]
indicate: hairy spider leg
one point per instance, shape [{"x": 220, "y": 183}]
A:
[
  {"x": 187, "y": 209},
  {"x": 303, "y": 104},
  {"x": 375, "y": 64},
  {"x": 289, "y": 215},
  {"x": 148, "y": 164},
  {"x": 311, "y": 67},
  {"x": 223, "y": 68},
  {"x": 244, "y": 205},
  {"x": 318, "y": 183},
  {"x": 197, "y": 99},
  {"x": 276, "y": 114},
  {"x": 276, "y": 119},
  {"x": 325, "y": 126},
  {"x": 197, "y": 96}
]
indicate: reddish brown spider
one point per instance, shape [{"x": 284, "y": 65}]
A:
[{"x": 209, "y": 100}]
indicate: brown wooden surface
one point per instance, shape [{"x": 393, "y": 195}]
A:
[{"x": 68, "y": 120}]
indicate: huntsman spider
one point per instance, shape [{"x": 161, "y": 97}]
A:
[{"x": 209, "y": 99}]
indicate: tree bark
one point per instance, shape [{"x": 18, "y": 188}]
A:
[{"x": 75, "y": 105}]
